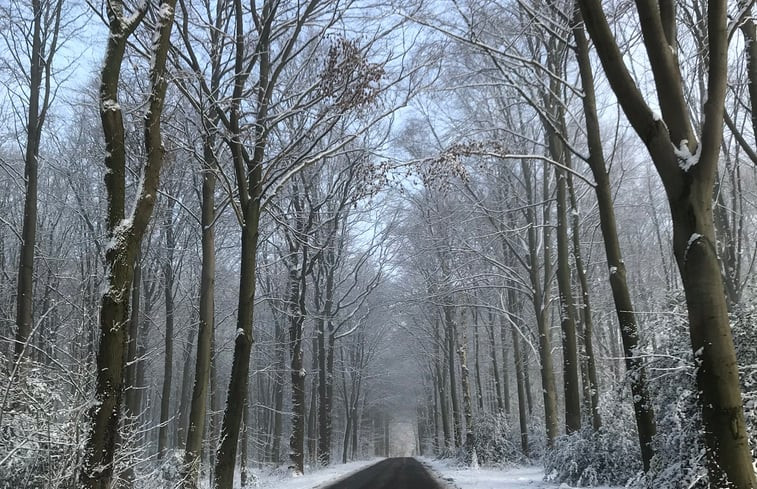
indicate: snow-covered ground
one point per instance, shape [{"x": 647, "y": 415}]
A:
[
  {"x": 317, "y": 478},
  {"x": 456, "y": 477},
  {"x": 484, "y": 478}
]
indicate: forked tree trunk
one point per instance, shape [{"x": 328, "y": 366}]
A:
[
  {"x": 125, "y": 231},
  {"x": 687, "y": 168}
]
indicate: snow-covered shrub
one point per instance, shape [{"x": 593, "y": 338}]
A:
[
  {"x": 497, "y": 440},
  {"x": 171, "y": 467},
  {"x": 679, "y": 444},
  {"x": 587, "y": 458},
  {"x": 744, "y": 325},
  {"x": 39, "y": 446}
]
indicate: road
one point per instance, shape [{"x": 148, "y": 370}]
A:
[{"x": 392, "y": 473}]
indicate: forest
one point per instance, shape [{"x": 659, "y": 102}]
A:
[{"x": 250, "y": 238}]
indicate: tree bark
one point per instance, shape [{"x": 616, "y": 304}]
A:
[
  {"x": 585, "y": 313},
  {"x": 519, "y": 377},
  {"x": 470, "y": 436},
  {"x": 495, "y": 364},
  {"x": 125, "y": 232},
  {"x": 168, "y": 284},
  {"x": 540, "y": 300},
  {"x": 567, "y": 311},
  {"x": 199, "y": 402}
]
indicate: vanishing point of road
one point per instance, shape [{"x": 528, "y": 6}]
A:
[{"x": 392, "y": 473}]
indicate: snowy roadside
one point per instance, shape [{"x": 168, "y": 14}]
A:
[
  {"x": 315, "y": 479},
  {"x": 486, "y": 478}
]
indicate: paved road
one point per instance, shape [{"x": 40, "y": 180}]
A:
[{"x": 392, "y": 473}]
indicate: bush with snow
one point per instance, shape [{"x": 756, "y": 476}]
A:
[
  {"x": 679, "y": 444},
  {"x": 39, "y": 446},
  {"x": 587, "y": 458},
  {"x": 497, "y": 441}
]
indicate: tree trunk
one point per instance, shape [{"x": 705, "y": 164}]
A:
[
  {"x": 198, "y": 405},
  {"x": 278, "y": 394},
  {"x": 519, "y": 377},
  {"x": 312, "y": 434},
  {"x": 297, "y": 368},
  {"x": 325, "y": 369},
  {"x": 643, "y": 411},
  {"x": 540, "y": 301},
  {"x": 240, "y": 368},
  {"x": 567, "y": 312},
  {"x": 470, "y": 437},
  {"x": 441, "y": 382},
  {"x": 748, "y": 30},
  {"x": 168, "y": 283},
  {"x": 495, "y": 365},
  {"x": 244, "y": 445},
  {"x": 477, "y": 364},
  {"x": 186, "y": 386},
  {"x": 125, "y": 232},
  {"x": 585, "y": 314},
  {"x": 39, "y": 99},
  {"x": 451, "y": 336},
  {"x": 132, "y": 388}
]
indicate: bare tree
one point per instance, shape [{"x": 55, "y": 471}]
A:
[
  {"x": 43, "y": 20},
  {"x": 686, "y": 163},
  {"x": 125, "y": 230}
]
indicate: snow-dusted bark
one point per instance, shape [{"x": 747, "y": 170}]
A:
[{"x": 125, "y": 230}]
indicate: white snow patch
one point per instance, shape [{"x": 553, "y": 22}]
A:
[
  {"x": 692, "y": 239},
  {"x": 119, "y": 234},
  {"x": 686, "y": 160},
  {"x": 313, "y": 476},
  {"x": 613, "y": 270},
  {"x": 110, "y": 104},
  {"x": 490, "y": 478}
]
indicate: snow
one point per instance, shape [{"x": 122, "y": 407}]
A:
[
  {"x": 686, "y": 160},
  {"x": 692, "y": 239},
  {"x": 119, "y": 234},
  {"x": 110, "y": 104},
  {"x": 315, "y": 478},
  {"x": 490, "y": 478}
]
